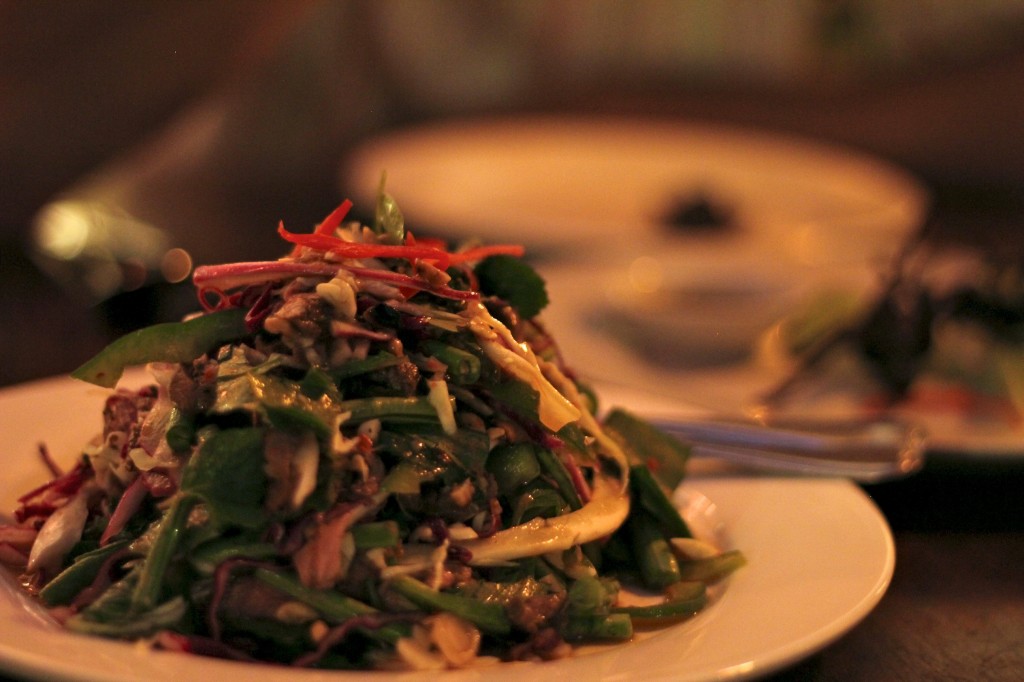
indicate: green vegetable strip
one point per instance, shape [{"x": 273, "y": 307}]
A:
[
  {"x": 713, "y": 568},
  {"x": 463, "y": 367},
  {"x": 166, "y": 615},
  {"x": 489, "y": 617},
  {"x": 333, "y": 605},
  {"x": 354, "y": 368},
  {"x": 684, "y": 600},
  {"x": 401, "y": 409},
  {"x": 208, "y": 556},
  {"x": 376, "y": 534},
  {"x": 651, "y": 496},
  {"x": 79, "y": 575},
  {"x": 167, "y": 342},
  {"x": 147, "y": 591},
  {"x": 615, "y": 626},
  {"x": 538, "y": 501},
  {"x": 645, "y": 444},
  {"x": 658, "y": 565},
  {"x": 557, "y": 472}
]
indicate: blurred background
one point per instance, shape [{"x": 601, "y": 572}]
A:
[{"x": 179, "y": 132}]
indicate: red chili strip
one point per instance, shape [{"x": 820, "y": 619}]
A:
[
  {"x": 323, "y": 242},
  {"x": 234, "y": 275},
  {"x": 481, "y": 252},
  {"x": 332, "y": 221},
  {"x": 400, "y": 280}
]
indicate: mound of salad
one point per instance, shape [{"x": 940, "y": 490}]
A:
[{"x": 367, "y": 454}]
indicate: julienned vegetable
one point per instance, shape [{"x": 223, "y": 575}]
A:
[{"x": 367, "y": 454}]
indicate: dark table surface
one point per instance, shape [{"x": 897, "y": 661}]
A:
[{"x": 955, "y": 608}]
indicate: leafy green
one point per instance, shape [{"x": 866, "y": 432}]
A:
[
  {"x": 228, "y": 473},
  {"x": 513, "y": 281}
]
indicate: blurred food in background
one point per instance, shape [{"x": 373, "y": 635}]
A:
[{"x": 207, "y": 121}]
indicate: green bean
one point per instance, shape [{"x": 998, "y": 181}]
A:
[
  {"x": 354, "y": 368},
  {"x": 658, "y": 566},
  {"x": 206, "y": 557},
  {"x": 556, "y": 471},
  {"x": 712, "y": 568},
  {"x": 376, "y": 534},
  {"x": 163, "y": 616},
  {"x": 317, "y": 383},
  {"x": 645, "y": 444},
  {"x": 683, "y": 599},
  {"x": 590, "y": 595},
  {"x": 513, "y": 466},
  {"x": 651, "y": 496},
  {"x": 403, "y": 409},
  {"x": 614, "y": 626},
  {"x": 489, "y": 617},
  {"x": 333, "y": 605},
  {"x": 463, "y": 366},
  {"x": 79, "y": 575},
  {"x": 540, "y": 501},
  {"x": 172, "y": 527}
]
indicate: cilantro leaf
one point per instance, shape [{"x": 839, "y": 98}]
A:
[{"x": 513, "y": 281}]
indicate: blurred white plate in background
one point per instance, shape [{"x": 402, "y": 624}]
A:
[{"x": 596, "y": 187}]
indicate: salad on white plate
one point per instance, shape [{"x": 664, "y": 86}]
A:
[{"x": 368, "y": 454}]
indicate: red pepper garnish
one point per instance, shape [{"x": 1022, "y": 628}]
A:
[
  {"x": 331, "y": 222},
  {"x": 481, "y": 252},
  {"x": 330, "y": 244},
  {"x": 432, "y": 250}
]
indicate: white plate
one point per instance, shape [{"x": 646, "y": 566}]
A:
[
  {"x": 594, "y": 187},
  {"x": 820, "y": 558}
]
